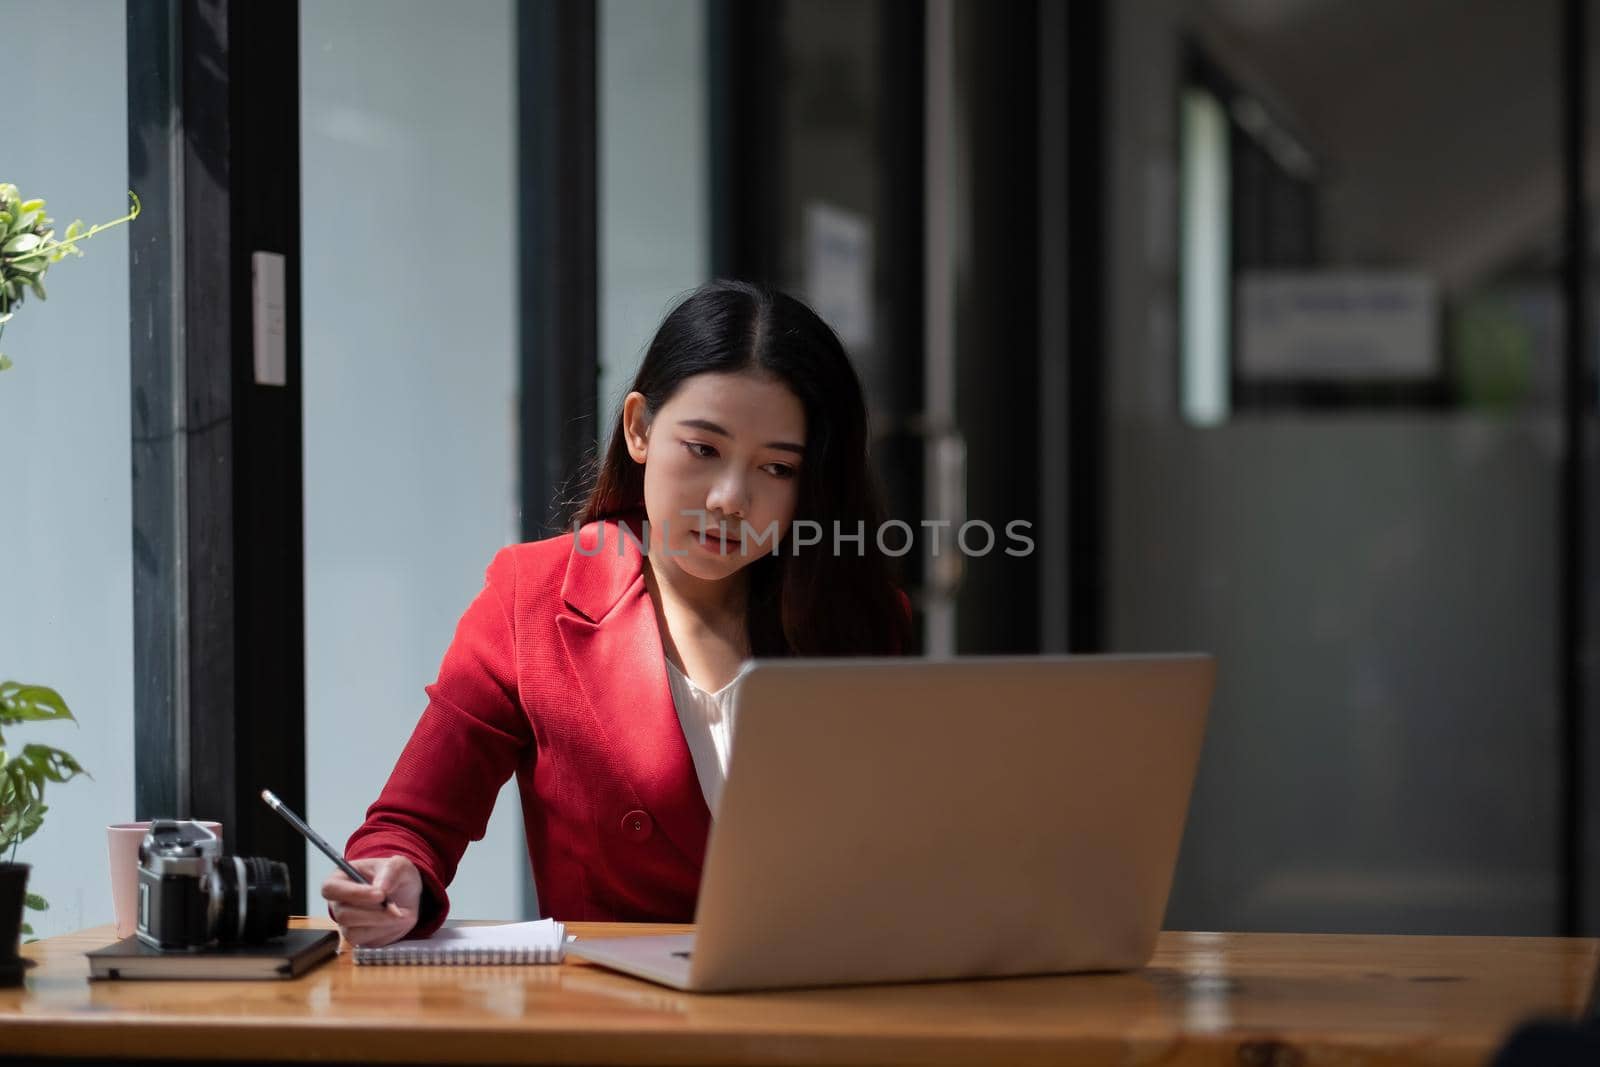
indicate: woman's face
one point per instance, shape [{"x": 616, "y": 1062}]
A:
[{"x": 722, "y": 456}]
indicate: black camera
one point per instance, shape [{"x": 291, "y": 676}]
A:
[{"x": 192, "y": 897}]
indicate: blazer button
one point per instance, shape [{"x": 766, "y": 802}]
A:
[{"x": 637, "y": 826}]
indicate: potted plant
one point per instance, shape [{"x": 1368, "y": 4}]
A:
[
  {"x": 28, "y": 246},
  {"x": 23, "y": 775}
]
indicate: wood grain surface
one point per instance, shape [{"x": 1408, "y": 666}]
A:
[{"x": 1257, "y": 1000}]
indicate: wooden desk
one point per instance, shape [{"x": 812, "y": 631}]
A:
[{"x": 1258, "y": 1000}]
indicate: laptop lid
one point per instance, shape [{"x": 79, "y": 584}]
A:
[{"x": 906, "y": 819}]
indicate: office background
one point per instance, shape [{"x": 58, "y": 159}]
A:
[{"x": 1266, "y": 313}]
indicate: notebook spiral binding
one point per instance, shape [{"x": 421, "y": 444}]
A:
[
  {"x": 471, "y": 951},
  {"x": 464, "y": 955}
]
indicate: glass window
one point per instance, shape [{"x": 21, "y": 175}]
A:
[
  {"x": 1350, "y": 492},
  {"x": 655, "y": 202},
  {"x": 66, "y": 575},
  {"x": 408, "y": 125}
]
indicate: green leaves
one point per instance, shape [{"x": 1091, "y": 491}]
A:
[
  {"x": 24, "y": 774},
  {"x": 34, "y": 902},
  {"x": 30, "y": 703},
  {"x": 28, "y": 246},
  {"x": 23, "y": 242},
  {"x": 21, "y": 823},
  {"x": 24, "y": 231},
  {"x": 50, "y": 764}
]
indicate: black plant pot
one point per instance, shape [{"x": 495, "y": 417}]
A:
[{"x": 13, "y": 884}]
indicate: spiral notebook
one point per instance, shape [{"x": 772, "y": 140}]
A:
[{"x": 543, "y": 941}]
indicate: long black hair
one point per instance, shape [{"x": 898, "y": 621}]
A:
[{"x": 814, "y": 601}]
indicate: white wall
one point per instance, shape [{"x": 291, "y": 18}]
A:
[
  {"x": 655, "y": 220},
  {"x": 1379, "y": 588},
  {"x": 65, "y": 550},
  {"x": 409, "y": 230}
]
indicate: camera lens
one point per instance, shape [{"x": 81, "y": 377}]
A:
[{"x": 254, "y": 897}]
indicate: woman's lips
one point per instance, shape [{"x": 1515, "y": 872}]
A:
[{"x": 713, "y": 541}]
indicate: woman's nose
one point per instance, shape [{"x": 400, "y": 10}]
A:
[{"x": 729, "y": 496}]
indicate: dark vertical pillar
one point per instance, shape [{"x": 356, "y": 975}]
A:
[
  {"x": 1574, "y": 403},
  {"x": 997, "y": 299},
  {"x": 559, "y": 275},
  {"x": 159, "y": 383},
  {"x": 209, "y": 425},
  {"x": 558, "y": 265},
  {"x": 901, "y": 268},
  {"x": 1087, "y": 300},
  {"x": 268, "y": 485},
  {"x": 746, "y": 144},
  {"x": 1055, "y": 316},
  {"x": 218, "y": 567}
]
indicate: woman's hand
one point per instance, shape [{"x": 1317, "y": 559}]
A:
[{"x": 360, "y": 911}]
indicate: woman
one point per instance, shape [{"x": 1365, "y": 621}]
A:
[{"x": 598, "y": 667}]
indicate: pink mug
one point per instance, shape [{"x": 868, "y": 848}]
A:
[{"x": 122, "y": 843}]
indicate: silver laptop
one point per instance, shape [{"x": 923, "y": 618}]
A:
[{"x": 897, "y": 820}]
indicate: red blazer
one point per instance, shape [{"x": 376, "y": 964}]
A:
[{"x": 557, "y": 674}]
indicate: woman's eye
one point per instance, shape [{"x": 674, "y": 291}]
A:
[{"x": 700, "y": 450}]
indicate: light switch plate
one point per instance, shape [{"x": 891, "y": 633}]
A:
[{"x": 269, "y": 318}]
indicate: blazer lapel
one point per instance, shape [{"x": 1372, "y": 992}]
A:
[{"x": 614, "y": 648}]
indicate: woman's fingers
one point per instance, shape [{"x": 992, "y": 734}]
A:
[
  {"x": 379, "y": 934},
  {"x": 379, "y": 913},
  {"x": 356, "y": 913},
  {"x": 340, "y": 886},
  {"x": 373, "y": 933},
  {"x": 337, "y": 908},
  {"x": 397, "y": 877},
  {"x": 372, "y": 936},
  {"x": 350, "y": 919},
  {"x": 351, "y": 893},
  {"x": 349, "y": 925}
]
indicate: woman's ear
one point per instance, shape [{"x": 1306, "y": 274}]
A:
[{"x": 636, "y": 425}]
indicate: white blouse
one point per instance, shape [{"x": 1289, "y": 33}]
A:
[{"x": 707, "y": 721}]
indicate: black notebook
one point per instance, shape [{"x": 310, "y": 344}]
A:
[{"x": 283, "y": 957}]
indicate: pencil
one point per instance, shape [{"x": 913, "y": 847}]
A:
[{"x": 315, "y": 838}]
